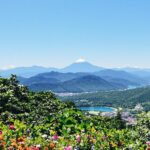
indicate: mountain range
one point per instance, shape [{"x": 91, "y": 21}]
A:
[
  {"x": 34, "y": 70},
  {"x": 79, "y": 77},
  {"x": 104, "y": 80},
  {"x": 74, "y": 68}
]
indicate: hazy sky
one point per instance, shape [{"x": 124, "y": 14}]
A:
[{"x": 109, "y": 33}]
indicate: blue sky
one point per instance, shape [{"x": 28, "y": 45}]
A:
[{"x": 109, "y": 33}]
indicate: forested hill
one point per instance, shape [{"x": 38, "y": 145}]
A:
[
  {"x": 126, "y": 98},
  {"x": 17, "y": 100}
]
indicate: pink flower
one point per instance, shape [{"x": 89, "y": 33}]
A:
[
  {"x": 55, "y": 137},
  {"x": 1, "y": 132},
  {"x": 78, "y": 138},
  {"x": 148, "y": 142},
  {"x": 68, "y": 148}
]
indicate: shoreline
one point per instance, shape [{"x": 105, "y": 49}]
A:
[{"x": 96, "y": 112}]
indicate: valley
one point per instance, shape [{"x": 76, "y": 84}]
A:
[{"x": 124, "y": 98}]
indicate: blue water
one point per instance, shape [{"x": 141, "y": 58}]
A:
[{"x": 101, "y": 109}]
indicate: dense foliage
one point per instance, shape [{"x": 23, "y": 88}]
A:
[
  {"x": 125, "y": 99},
  {"x": 34, "y": 121}
]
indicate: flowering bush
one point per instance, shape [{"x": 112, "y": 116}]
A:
[{"x": 17, "y": 135}]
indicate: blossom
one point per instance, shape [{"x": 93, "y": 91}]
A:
[
  {"x": 38, "y": 146},
  {"x": 10, "y": 148},
  {"x": 68, "y": 148},
  {"x": 1, "y": 137},
  {"x": 55, "y": 137},
  {"x": 44, "y": 136},
  {"x": 148, "y": 142},
  {"x": 78, "y": 138},
  {"x": 46, "y": 148},
  {"x": 52, "y": 145},
  {"x": 21, "y": 140},
  {"x": 11, "y": 127}
]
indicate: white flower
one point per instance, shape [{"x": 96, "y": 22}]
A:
[
  {"x": 38, "y": 146},
  {"x": 44, "y": 136}
]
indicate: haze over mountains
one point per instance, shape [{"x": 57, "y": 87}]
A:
[
  {"x": 34, "y": 70},
  {"x": 79, "y": 77}
]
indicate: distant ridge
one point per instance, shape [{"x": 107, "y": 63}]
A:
[
  {"x": 34, "y": 70},
  {"x": 109, "y": 74},
  {"x": 26, "y": 71}
]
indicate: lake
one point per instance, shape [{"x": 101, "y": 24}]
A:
[{"x": 101, "y": 109}]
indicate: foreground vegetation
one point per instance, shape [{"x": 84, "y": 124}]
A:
[{"x": 34, "y": 121}]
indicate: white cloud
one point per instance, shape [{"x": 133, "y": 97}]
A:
[{"x": 8, "y": 67}]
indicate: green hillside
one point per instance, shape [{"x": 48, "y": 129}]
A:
[{"x": 126, "y": 98}]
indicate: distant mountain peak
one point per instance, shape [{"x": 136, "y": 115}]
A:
[
  {"x": 80, "y": 60},
  {"x": 81, "y": 66}
]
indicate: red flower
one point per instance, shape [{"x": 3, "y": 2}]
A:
[{"x": 11, "y": 127}]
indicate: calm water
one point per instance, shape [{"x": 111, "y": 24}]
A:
[{"x": 102, "y": 109}]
